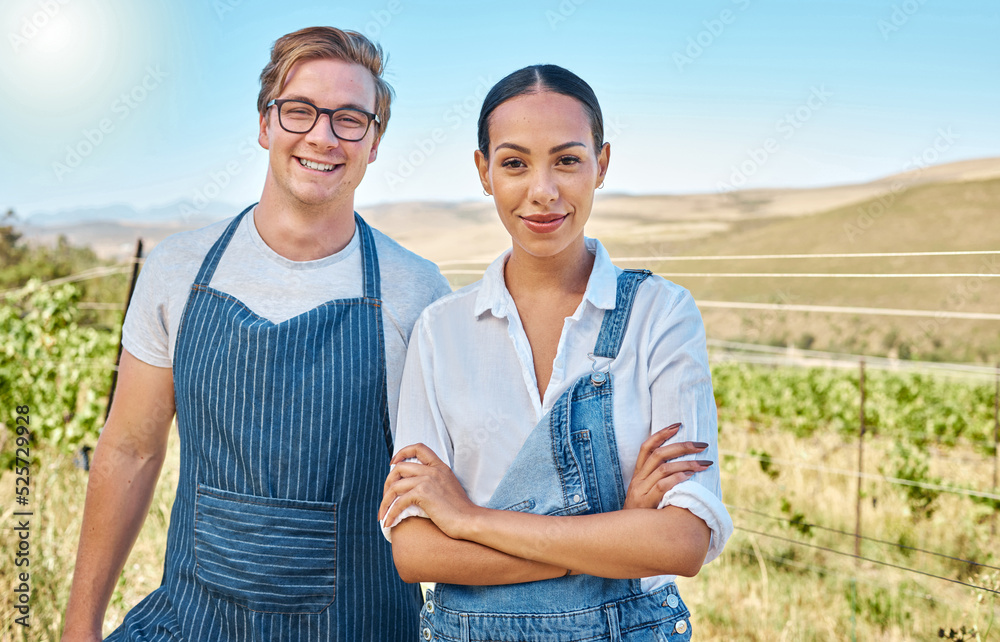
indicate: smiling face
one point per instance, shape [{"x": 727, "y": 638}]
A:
[
  {"x": 542, "y": 171},
  {"x": 316, "y": 170}
]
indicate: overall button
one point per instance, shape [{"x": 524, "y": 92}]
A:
[
  {"x": 576, "y": 499},
  {"x": 430, "y": 607},
  {"x": 672, "y": 601},
  {"x": 598, "y": 378},
  {"x": 681, "y": 627},
  {"x": 426, "y": 633}
]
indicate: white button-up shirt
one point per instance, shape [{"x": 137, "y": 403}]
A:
[{"x": 469, "y": 391}]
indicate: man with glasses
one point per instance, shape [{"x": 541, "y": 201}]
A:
[{"x": 278, "y": 339}]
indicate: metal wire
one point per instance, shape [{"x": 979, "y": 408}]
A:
[
  {"x": 870, "y": 476},
  {"x": 838, "y": 309},
  {"x": 866, "y": 559},
  {"x": 862, "y": 537}
]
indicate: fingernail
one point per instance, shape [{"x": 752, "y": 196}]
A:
[
  {"x": 700, "y": 445},
  {"x": 704, "y": 462},
  {"x": 674, "y": 426}
]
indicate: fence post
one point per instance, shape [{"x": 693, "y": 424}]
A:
[
  {"x": 861, "y": 452},
  {"x": 857, "y": 513},
  {"x": 128, "y": 299},
  {"x": 996, "y": 447}
]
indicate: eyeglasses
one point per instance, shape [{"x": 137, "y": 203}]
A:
[{"x": 299, "y": 117}]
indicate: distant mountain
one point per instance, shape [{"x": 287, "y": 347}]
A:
[
  {"x": 469, "y": 230},
  {"x": 178, "y": 212}
]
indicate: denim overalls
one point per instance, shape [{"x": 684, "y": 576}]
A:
[
  {"x": 567, "y": 466},
  {"x": 283, "y": 430}
]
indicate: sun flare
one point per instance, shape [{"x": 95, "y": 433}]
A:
[{"x": 61, "y": 53}]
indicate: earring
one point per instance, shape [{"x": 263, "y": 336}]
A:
[
  {"x": 601, "y": 186},
  {"x": 485, "y": 193}
]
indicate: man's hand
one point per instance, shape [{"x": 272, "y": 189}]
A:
[{"x": 655, "y": 473}]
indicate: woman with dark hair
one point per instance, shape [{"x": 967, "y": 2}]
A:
[{"x": 532, "y": 405}]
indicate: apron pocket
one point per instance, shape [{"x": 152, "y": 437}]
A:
[{"x": 266, "y": 554}]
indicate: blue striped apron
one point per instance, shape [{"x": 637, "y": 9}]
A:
[
  {"x": 283, "y": 430},
  {"x": 568, "y": 465}
]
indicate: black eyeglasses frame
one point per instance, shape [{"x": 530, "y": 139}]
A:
[{"x": 278, "y": 102}]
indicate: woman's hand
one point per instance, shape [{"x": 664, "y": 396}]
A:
[
  {"x": 655, "y": 473},
  {"x": 430, "y": 485}
]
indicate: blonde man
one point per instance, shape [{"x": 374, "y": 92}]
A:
[{"x": 277, "y": 338}]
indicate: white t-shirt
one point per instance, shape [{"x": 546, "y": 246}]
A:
[
  {"x": 469, "y": 390},
  {"x": 276, "y": 288}
]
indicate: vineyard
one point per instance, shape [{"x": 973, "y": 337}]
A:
[{"x": 886, "y": 533}]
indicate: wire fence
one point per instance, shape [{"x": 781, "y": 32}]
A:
[
  {"x": 724, "y": 351},
  {"x": 854, "y": 474},
  {"x": 862, "y": 558},
  {"x": 803, "y": 524}
]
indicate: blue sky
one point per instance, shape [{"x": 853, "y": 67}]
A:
[{"x": 144, "y": 104}]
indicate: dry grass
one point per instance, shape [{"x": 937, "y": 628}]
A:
[
  {"x": 764, "y": 588},
  {"x": 57, "y": 493},
  {"x": 761, "y": 588},
  {"x": 925, "y": 218}
]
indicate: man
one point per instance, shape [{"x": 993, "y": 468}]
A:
[{"x": 278, "y": 338}]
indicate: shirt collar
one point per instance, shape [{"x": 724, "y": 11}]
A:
[{"x": 602, "y": 286}]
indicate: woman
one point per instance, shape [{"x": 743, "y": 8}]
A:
[{"x": 527, "y": 397}]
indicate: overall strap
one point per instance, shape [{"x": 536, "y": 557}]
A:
[
  {"x": 373, "y": 293},
  {"x": 609, "y": 341},
  {"x": 212, "y": 258},
  {"x": 369, "y": 258}
]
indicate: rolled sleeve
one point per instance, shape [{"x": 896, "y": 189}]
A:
[
  {"x": 681, "y": 391},
  {"x": 409, "y": 511},
  {"x": 703, "y": 503}
]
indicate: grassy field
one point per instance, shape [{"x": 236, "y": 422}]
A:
[
  {"x": 788, "y": 440},
  {"x": 939, "y": 217},
  {"x": 57, "y": 495},
  {"x": 765, "y": 588},
  {"x": 787, "y": 573}
]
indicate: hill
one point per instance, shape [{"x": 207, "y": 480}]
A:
[
  {"x": 937, "y": 208},
  {"x": 925, "y": 217}
]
